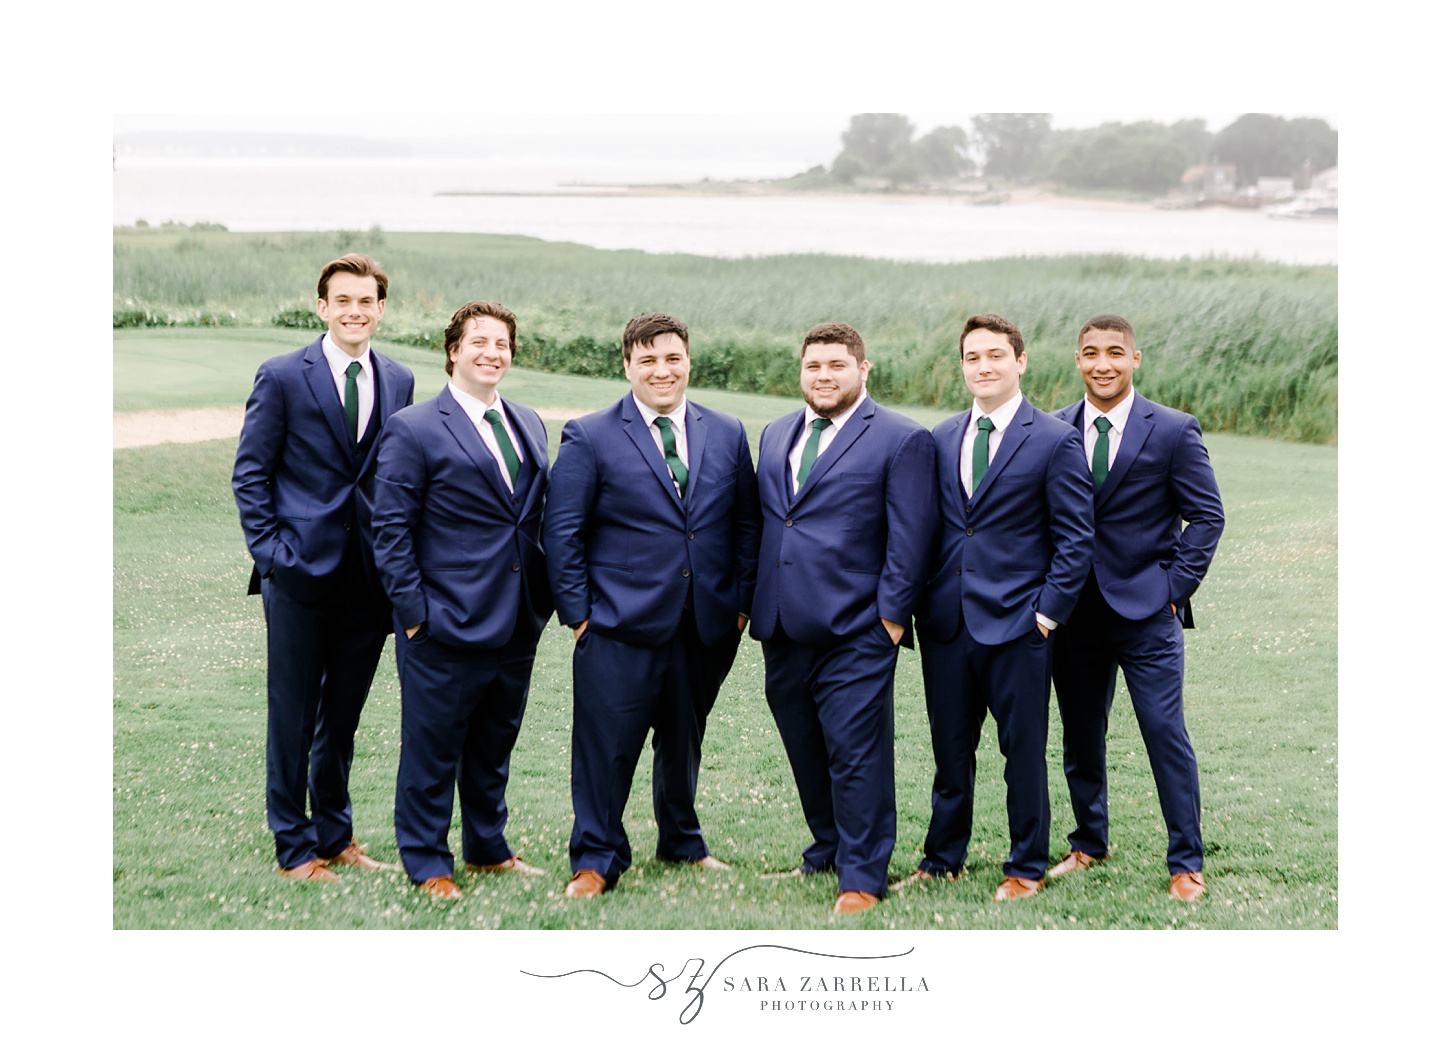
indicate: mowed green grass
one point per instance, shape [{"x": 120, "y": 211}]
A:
[{"x": 192, "y": 848}]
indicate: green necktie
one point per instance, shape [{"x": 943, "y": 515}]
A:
[
  {"x": 1100, "y": 452},
  {"x": 672, "y": 458},
  {"x": 979, "y": 451},
  {"x": 511, "y": 458},
  {"x": 350, "y": 397},
  {"x": 808, "y": 455}
]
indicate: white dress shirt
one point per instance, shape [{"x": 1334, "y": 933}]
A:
[
  {"x": 828, "y": 435},
  {"x": 1118, "y": 416},
  {"x": 476, "y": 408},
  {"x": 337, "y": 361},
  {"x": 677, "y": 424}
]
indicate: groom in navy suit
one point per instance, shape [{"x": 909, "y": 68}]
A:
[
  {"x": 651, "y": 535},
  {"x": 1158, "y": 521},
  {"x": 303, "y": 482},
  {"x": 849, "y": 512},
  {"x": 460, "y": 496},
  {"x": 1017, "y": 540}
]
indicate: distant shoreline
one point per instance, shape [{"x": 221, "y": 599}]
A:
[{"x": 1021, "y": 196}]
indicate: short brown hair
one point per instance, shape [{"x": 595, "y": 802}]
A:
[
  {"x": 453, "y": 336},
  {"x": 1108, "y": 321},
  {"x": 643, "y": 329},
  {"x": 836, "y": 333},
  {"x": 353, "y": 264},
  {"x": 995, "y": 324}
]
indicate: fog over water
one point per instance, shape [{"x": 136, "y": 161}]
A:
[{"x": 401, "y": 193}]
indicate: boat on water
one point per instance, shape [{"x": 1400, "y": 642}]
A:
[{"x": 1308, "y": 206}]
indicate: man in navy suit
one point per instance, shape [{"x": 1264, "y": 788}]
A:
[
  {"x": 1017, "y": 540},
  {"x": 460, "y": 498},
  {"x": 650, "y": 535},
  {"x": 303, "y": 482},
  {"x": 849, "y": 517},
  {"x": 1158, "y": 521}
]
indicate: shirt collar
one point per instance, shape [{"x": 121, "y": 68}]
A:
[
  {"x": 676, "y": 415},
  {"x": 1118, "y": 416},
  {"x": 840, "y": 418},
  {"x": 1000, "y": 416},
  {"x": 475, "y": 407},
  {"x": 338, "y": 359}
]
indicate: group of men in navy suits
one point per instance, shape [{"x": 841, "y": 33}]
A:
[{"x": 1032, "y": 550}]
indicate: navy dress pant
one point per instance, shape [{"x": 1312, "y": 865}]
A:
[
  {"x": 621, "y": 692},
  {"x": 833, "y": 708},
  {"x": 462, "y": 708},
  {"x": 965, "y": 681},
  {"x": 1090, "y": 650},
  {"x": 321, "y": 658}
]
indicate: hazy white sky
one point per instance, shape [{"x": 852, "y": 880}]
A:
[{"x": 437, "y": 124}]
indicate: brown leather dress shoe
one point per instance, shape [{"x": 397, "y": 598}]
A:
[
  {"x": 512, "y": 864},
  {"x": 441, "y": 887},
  {"x": 353, "y": 855},
  {"x": 315, "y": 870},
  {"x": 921, "y": 876},
  {"x": 711, "y": 862},
  {"x": 1015, "y": 887},
  {"x": 1187, "y": 887},
  {"x": 585, "y": 884},
  {"x": 1072, "y": 862},
  {"x": 849, "y": 902}
]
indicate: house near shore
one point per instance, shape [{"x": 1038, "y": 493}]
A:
[{"x": 1208, "y": 182}]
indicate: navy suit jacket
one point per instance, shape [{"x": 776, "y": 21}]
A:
[
  {"x": 301, "y": 483},
  {"x": 852, "y": 546},
  {"x": 456, "y": 549},
  {"x": 1022, "y": 543},
  {"x": 1144, "y": 553},
  {"x": 623, "y": 548}
]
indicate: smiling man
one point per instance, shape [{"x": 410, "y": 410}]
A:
[
  {"x": 1158, "y": 519},
  {"x": 1017, "y": 543},
  {"x": 651, "y": 534},
  {"x": 849, "y": 511},
  {"x": 303, "y": 482},
  {"x": 461, "y": 487}
]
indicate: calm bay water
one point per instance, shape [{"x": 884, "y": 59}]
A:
[{"x": 402, "y": 195}]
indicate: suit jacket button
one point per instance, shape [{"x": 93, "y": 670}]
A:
[
  {"x": 788, "y": 523},
  {"x": 969, "y": 532},
  {"x": 347, "y": 527},
  {"x": 515, "y": 566},
  {"x": 685, "y": 573},
  {"x": 969, "y": 509},
  {"x": 690, "y": 535},
  {"x": 959, "y": 572}
]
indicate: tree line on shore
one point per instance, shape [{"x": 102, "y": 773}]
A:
[{"x": 883, "y": 150}]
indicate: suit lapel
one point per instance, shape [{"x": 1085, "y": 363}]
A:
[
  {"x": 782, "y": 470},
  {"x": 325, "y": 391},
  {"x": 850, "y": 431},
  {"x": 471, "y": 442},
  {"x": 386, "y": 392},
  {"x": 639, "y": 433},
  {"x": 954, "y": 460},
  {"x": 537, "y": 453},
  {"x": 1136, "y": 433},
  {"x": 1014, "y": 435},
  {"x": 696, "y": 431}
]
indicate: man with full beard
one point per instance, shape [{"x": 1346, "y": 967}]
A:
[{"x": 849, "y": 519}]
